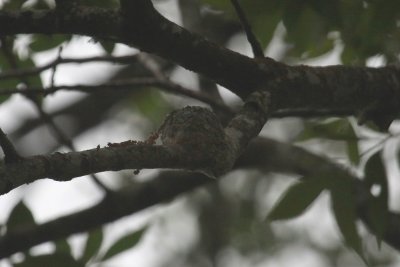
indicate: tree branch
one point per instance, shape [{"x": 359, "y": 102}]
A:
[
  {"x": 332, "y": 87},
  {"x": 206, "y": 151},
  {"x": 262, "y": 153},
  {"x": 254, "y": 43},
  {"x": 66, "y": 166}
]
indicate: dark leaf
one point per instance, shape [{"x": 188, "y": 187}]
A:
[
  {"x": 57, "y": 259},
  {"x": 297, "y": 199},
  {"x": 262, "y": 15},
  {"x": 306, "y": 31},
  {"x": 340, "y": 130},
  {"x": 46, "y": 42},
  {"x": 93, "y": 243},
  {"x": 344, "y": 209},
  {"x": 62, "y": 247},
  {"x": 123, "y": 244},
  {"x": 20, "y": 216},
  {"x": 376, "y": 180},
  {"x": 107, "y": 46}
]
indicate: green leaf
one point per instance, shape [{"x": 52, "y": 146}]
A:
[
  {"x": 297, "y": 199},
  {"x": 57, "y": 259},
  {"x": 350, "y": 56},
  {"x": 262, "y": 15},
  {"x": 123, "y": 244},
  {"x": 107, "y": 46},
  {"x": 378, "y": 209},
  {"x": 340, "y": 130},
  {"x": 151, "y": 104},
  {"x": 32, "y": 81},
  {"x": 20, "y": 216},
  {"x": 344, "y": 209},
  {"x": 307, "y": 30},
  {"x": 62, "y": 247},
  {"x": 45, "y": 42},
  {"x": 93, "y": 244},
  {"x": 352, "y": 147}
]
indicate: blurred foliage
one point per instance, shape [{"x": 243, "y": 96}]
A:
[
  {"x": 366, "y": 28},
  {"x": 297, "y": 198},
  {"x": 25, "y": 4},
  {"x": 376, "y": 179},
  {"x": 335, "y": 130},
  {"x": 20, "y": 216},
  {"x": 344, "y": 208},
  {"x": 56, "y": 259},
  {"x": 41, "y": 42}
]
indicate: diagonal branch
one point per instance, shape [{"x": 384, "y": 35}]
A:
[
  {"x": 255, "y": 44},
  {"x": 350, "y": 88},
  {"x": 66, "y": 166}
]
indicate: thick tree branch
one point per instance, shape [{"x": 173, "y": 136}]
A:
[
  {"x": 192, "y": 139},
  {"x": 113, "y": 207},
  {"x": 350, "y": 88},
  {"x": 346, "y": 88},
  {"x": 65, "y": 166},
  {"x": 262, "y": 153}
]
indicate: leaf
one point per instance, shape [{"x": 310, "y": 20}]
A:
[
  {"x": 340, "y": 130},
  {"x": 263, "y": 16},
  {"x": 56, "y": 259},
  {"x": 344, "y": 209},
  {"x": 32, "y": 81},
  {"x": 45, "y": 42},
  {"x": 20, "y": 216},
  {"x": 107, "y": 46},
  {"x": 62, "y": 246},
  {"x": 378, "y": 209},
  {"x": 350, "y": 56},
  {"x": 123, "y": 244},
  {"x": 353, "y": 152},
  {"x": 297, "y": 199},
  {"x": 151, "y": 104},
  {"x": 306, "y": 30},
  {"x": 93, "y": 244}
]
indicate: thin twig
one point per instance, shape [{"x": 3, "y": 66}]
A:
[
  {"x": 125, "y": 84},
  {"x": 10, "y": 153},
  {"x": 17, "y": 73},
  {"x": 255, "y": 44},
  {"x": 54, "y": 68},
  {"x": 56, "y": 131}
]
